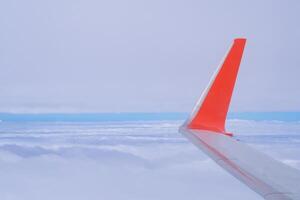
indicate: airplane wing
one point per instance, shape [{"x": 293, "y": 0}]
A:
[{"x": 205, "y": 127}]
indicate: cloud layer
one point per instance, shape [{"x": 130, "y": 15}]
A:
[{"x": 132, "y": 160}]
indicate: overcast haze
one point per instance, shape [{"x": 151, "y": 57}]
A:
[{"x": 158, "y": 55}]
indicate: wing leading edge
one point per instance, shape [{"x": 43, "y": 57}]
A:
[{"x": 270, "y": 178}]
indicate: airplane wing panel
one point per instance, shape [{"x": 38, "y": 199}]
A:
[
  {"x": 205, "y": 127},
  {"x": 270, "y": 178}
]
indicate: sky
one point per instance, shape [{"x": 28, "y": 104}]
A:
[
  {"x": 144, "y": 56},
  {"x": 128, "y": 160}
]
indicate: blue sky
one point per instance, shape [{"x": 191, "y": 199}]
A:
[{"x": 144, "y": 56}]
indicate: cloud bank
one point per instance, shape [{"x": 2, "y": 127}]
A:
[{"x": 132, "y": 160}]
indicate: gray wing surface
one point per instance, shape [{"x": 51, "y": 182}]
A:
[{"x": 270, "y": 178}]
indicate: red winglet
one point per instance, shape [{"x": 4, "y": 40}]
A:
[{"x": 211, "y": 110}]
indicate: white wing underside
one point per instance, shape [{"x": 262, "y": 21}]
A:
[{"x": 270, "y": 178}]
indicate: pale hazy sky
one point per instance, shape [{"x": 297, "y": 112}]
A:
[{"x": 155, "y": 55}]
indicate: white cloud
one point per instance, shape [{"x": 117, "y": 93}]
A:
[{"x": 121, "y": 161}]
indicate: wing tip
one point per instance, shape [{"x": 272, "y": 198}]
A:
[
  {"x": 240, "y": 39},
  {"x": 211, "y": 111}
]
